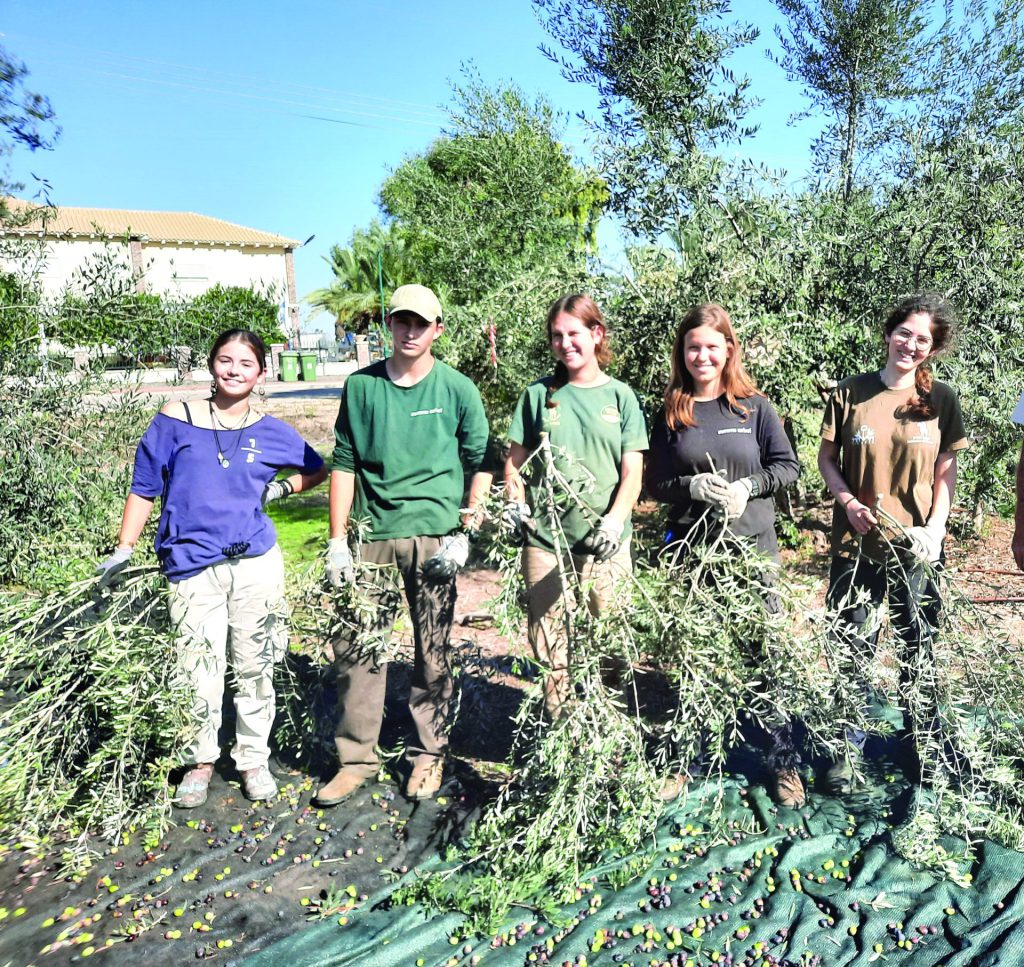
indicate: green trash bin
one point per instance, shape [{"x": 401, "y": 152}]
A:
[
  {"x": 290, "y": 366},
  {"x": 308, "y": 366}
]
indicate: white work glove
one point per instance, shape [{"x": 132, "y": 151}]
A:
[
  {"x": 112, "y": 567},
  {"x": 738, "y": 494},
  {"x": 926, "y": 542},
  {"x": 448, "y": 559},
  {"x": 517, "y": 522},
  {"x": 604, "y": 539},
  {"x": 340, "y": 569},
  {"x": 277, "y": 489},
  {"x": 710, "y": 488}
]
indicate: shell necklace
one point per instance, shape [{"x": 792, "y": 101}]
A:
[{"x": 214, "y": 420}]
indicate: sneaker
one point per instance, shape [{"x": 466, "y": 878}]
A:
[
  {"x": 840, "y": 779},
  {"x": 425, "y": 778},
  {"x": 194, "y": 786},
  {"x": 674, "y": 787},
  {"x": 258, "y": 783},
  {"x": 787, "y": 789},
  {"x": 339, "y": 788}
]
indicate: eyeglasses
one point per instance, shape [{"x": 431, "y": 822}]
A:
[{"x": 911, "y": 339}]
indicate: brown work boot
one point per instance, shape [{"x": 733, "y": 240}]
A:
[
  {"x": 674, "y": 787},
  {"x": 425, "y": 778},
  {"x": 194, "y": 786},
  {"x": 787, "y": 788},
  {"x": 339, "y": 788}
]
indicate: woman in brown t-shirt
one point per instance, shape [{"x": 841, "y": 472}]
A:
[{"x": 889, "y": 443}]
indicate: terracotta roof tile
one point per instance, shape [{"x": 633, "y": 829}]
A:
[{"x": 154, "y": 226}]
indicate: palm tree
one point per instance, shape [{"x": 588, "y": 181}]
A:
[{"x": 376, "y": 258}]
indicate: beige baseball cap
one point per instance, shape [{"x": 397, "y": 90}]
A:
[{"x": 418, "y": 299}]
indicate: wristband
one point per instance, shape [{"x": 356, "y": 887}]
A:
[{"x": 850, "y": 501}]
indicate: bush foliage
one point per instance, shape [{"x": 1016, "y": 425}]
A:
[
  {"x": 66, "y": 451},
  {"x": 101, "y": 310}
]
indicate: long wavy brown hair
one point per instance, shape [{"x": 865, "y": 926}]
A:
[
  {"x": 736, "y": 382},
  {"x": 585, "y": 309}
]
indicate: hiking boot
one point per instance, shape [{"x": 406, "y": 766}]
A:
[
  {"x": 787, "y": 789},
  {"x": 674, "y": 787},
  {"x": 194, "y": 786},
  {"x": 258, "y": 783},
  {"x": 425, "y": 778},
  {"x": 339, "y": 788},
  {"x": 840, "y": 778}
]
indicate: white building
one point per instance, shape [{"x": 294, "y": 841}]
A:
[{"x": 167, "y": 253}]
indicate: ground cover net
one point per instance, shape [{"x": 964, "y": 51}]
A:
[
  {"x": 284, "y": 883},
  {"x": 819, "y": 885}
]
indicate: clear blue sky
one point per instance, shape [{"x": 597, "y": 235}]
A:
[{"x": 287, "y": 117}]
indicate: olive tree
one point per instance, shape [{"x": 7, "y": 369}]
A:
[{"x": 668, "y": 101}]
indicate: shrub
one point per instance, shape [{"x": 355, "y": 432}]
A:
[{"x": 65, "y": 470}]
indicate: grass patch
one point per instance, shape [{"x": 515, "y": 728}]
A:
[{"x": 302, "y": 527}]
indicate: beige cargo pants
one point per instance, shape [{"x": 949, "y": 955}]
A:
[
  {"x": 239, "y": 605},
  {"x": 601, "y": 582}
]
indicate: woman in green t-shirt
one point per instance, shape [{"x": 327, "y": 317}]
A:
[
  {"x": 589, "y": 429},
  {"x": 889, "y": 444}
]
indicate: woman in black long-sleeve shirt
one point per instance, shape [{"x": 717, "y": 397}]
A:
[{"x": 718, "y": 455}]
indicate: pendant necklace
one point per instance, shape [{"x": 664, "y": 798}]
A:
[{"x": 214, "y": 420}]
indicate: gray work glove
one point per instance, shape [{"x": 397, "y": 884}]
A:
[
  {"x": 340, "y": 569},
  {"x": 739, "y": 492},
  {"x": 604, "y": 539},
  {"x": 448, "y": 559},
  {"x": 710, "y": 488},
  {"x": 926, "y": 542},
  {"x": 517, "y": 522},
  {"x": 109, "y": 571},
  {"x": 277, "y": 489}
]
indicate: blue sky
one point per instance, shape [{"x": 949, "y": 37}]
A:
[{"x": 287, "y": 117}]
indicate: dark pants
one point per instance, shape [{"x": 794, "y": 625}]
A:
[
  {"x": 857, "y": 587},
  {"x": 362, "y": 682}
]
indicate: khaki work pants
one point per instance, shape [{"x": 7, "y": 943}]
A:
[
  {"x": 362, "y": 683},
  {"x": 237, "y": 603},
  {"x": 546, "y": 602}
]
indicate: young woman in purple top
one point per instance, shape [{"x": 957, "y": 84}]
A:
[
  {"x": 213, "y": 465},
  {"x": 718, "y": 455}
]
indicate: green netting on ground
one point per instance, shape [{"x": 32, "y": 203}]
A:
[{"x": 766, "y": 885}]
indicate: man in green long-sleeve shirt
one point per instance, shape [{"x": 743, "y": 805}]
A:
[{"x": 409, "y": 429}]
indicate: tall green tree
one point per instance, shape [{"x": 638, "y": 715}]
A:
[
  {"x": 498, "y": 195},
  {"x": 859, "y": 62},
  {"x": 893, "y": 76},
  {"x": 668, "y": 100},
  {"x": 353, "y": 296}
]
